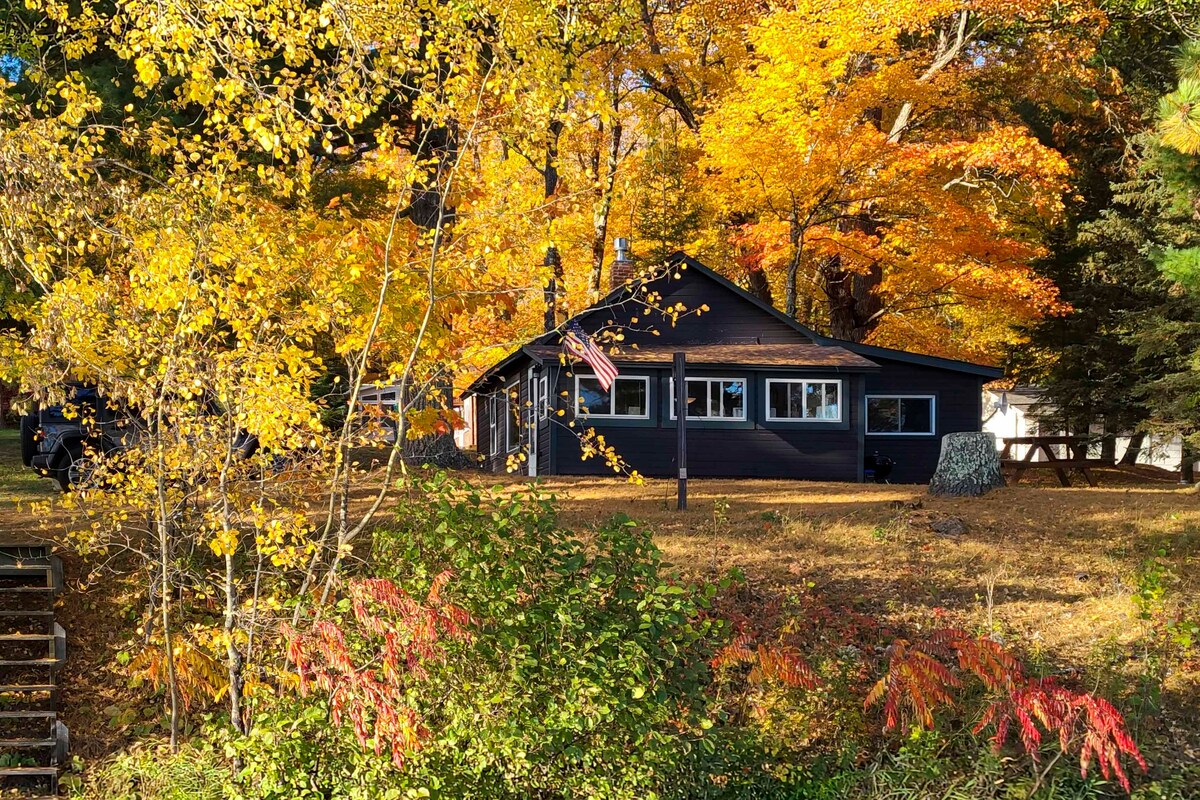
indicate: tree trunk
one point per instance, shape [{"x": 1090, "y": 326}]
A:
[
  {"x": 437, "y": 146},
  {"x": 793, "y": 270},
  {"x": 233, "y": 656},
  {"x": 1108, "y": 448},
  {"x": 1187, "y": 466},
  {"x": 604, "y": 190},
  {"x": 969, "y": 466},
  {"x": 554, "y": 261},
  {"x": 667, "y": 86},
  {"x": 760, "y": 287},
  {"x": 555, "y": 286},
  {"x": 1136, "y": 442},
  {"x": 854, "y": 303}
]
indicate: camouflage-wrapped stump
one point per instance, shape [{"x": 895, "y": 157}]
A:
[{"x": 969, "y": 466}]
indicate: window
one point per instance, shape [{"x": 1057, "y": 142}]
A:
[
  {"x": 495, "y": 411},
  {"x": 898, "y": 415},
  {"x": 628, "y": 397},
  {"x": 790, "y": 400},
  {"x": 512, "y": 416},
  {"x": 544, "y": 397},
  {"x": 713, "y": 398}
]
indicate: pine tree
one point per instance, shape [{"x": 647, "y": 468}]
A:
[{"x": 1103, "y": 361}]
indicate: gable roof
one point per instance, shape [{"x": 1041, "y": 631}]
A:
[
  {"x": 867, "y": 350},
  {"x": 679, "y": 258}
]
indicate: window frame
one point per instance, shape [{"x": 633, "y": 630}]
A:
[
  {"x": 543, "y": 396},
  {"x": 932, "y": 398},
  {"x": 745, "y": 382},
  {"x": 841, "y": 405},
  {"x": 512, "y": 415},
  {"x": 575, "y": 404},
  {"x": 535, "y": 392},
  {"x": 495, "y": 410}
]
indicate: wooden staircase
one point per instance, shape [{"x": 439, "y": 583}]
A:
[{"x": 33, "y": 647}]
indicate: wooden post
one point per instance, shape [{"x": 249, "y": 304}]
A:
[{"x": 680, "y": 376}]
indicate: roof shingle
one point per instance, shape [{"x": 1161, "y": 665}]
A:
[{"x": 749, "y": 355}]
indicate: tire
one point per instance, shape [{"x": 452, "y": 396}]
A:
[
  {"x": 29, "y": 426},
  {"x": 75, "y": 469}
]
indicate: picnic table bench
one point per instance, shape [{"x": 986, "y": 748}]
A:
[{"x": 1076, "y": 447}]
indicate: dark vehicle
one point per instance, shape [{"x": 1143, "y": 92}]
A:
[{"x": 62, "y": 442}]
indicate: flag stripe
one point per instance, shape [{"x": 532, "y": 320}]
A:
[{"x": 580, "y": 345}]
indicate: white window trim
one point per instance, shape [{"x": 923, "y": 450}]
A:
[
  {"x": 508, "y": 403},
  {"x": 645, "y": 379},
  {"x": 743, "y": 381},
  {"x": 497, "y": 405},
  {"x": 544, "y": 392},
  {"x": 932, "y": 414},
  {"x": 840, "y": 405}
]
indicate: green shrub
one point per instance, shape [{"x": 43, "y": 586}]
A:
[{"x": 584, "y": 676}]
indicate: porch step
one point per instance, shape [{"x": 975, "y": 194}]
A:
[
  {"x": 27, "y": 744},
  {"x": 30, "y": 577},
  {"x": 28, "y": 772}
]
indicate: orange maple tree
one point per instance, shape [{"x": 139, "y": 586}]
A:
[{"x": 885, "y": 198}]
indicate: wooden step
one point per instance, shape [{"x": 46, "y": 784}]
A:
[
  {"x": 25, "y": 589},
  {"x": 28, "y": 772},
  {"x": 32, "y": 662},
  {"x": 28, "y": 688},
  {"x": 26, "y": 637},
  {"x": 26, "y": 744},
  {"x": 38, "y": 613},
  {"x": 14, "y": 570},
  {"x": 28, "y": 715}
]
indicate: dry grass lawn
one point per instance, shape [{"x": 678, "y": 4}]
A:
[{"x": 1054, "y": 570}]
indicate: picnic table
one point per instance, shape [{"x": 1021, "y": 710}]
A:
[{"x": 1077, "y": 457}]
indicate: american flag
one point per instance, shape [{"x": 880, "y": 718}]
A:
[{"x": 580, "y": 345}]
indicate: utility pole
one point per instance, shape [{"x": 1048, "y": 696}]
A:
[{"x": 681, "y": 406}]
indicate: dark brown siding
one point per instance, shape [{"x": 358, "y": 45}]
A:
[
  {"x": 493, "y": 459},
  {"x": 958, "y": 397},
  {"x": 753, "y": 449},
  {"x": 730, "y": 318}
]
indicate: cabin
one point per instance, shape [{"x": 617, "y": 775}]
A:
[{"x": 766, "y": 396}]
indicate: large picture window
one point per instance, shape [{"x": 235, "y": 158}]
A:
[
  {"x": 713, "y": 398},
  {"x": 628, "y": 397},
  {"x": 795, "y": 400},
  {"x": 900, "y": 414}
]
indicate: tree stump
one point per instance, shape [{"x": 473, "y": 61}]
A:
[{"x": 968, "y": 467}]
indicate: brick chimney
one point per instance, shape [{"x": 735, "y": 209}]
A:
[{"x": 622, "y": 268}]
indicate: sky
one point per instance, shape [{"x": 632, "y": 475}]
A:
[{"x": 10, "y": 67}]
